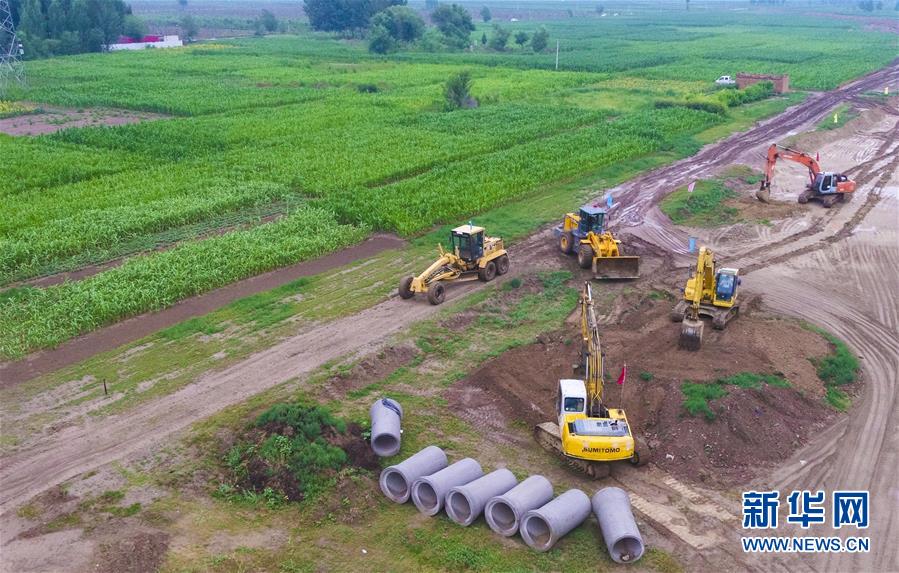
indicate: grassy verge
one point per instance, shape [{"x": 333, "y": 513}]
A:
[
  {"x": 838, "y": 368},
  {"x": 840, "y": 116},
  {"x": 709, "y": 203},
  {"x": 698, "y": 395}
]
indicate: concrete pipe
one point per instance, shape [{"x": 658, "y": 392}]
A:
[
  {"x": 385, "y": 427},
  {"x": 464, "y": 503},
  {"x": 541, "y": 528},
  {"x": 504, "y": 512},
  {"x": 429, "y": 492},
  {"x": 612, "y": 508},
  {"x": 396, "y": 481}
]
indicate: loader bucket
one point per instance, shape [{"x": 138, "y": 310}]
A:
[
  {"x": 690, "y": 334},
  {"x": 616, "y": 267}
]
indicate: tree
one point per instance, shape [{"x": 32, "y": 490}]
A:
[
  {"x": 521, "y": 38},
  {"x": 343, "y": 15},
  {"x": 57, "y": 19},
  {"x": 269, "y": 21},
  {"x": 486, "y": 16},
  {"x": 189, "y": 28},
  {"x": 458, "y": 91},
  {"x": 500, "y": 38},
  {"x": 134, "y": 27},
  {"x": 540, "y": 39},
  {"x": 380, "y": 41},
  {"x": 600, "y": 9},
  {"x": 182, "y": 3},
  {"x": 484, "y": 37},
  {"x": 402, "y": 24},
  {"x": 32, "y": 21},
  {"x": 454, "y": 22},
  {"x": 430, "y": 4}
]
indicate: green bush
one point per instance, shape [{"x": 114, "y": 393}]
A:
[
  {"x": 285, "y": 456},
  {"x": 646, "y": 376},
  {"x": 838, "y": 368},
  {"x": 837, "y": 398}
]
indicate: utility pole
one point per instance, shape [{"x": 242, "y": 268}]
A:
[
  {"x": 11, "y": 51},
  {"x": 557, "y": 50}
]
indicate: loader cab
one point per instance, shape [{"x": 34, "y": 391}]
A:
[
  {"x": 726, "y": 283},
  {"x": 467, "y": 242},
  {"x": 592, "y": 219}
]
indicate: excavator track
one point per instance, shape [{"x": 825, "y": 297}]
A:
[{"x": 548, "y": 436}]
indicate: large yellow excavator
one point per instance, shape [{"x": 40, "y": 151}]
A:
[
  {"x": 589, "y": 435},
  {"x": 472, "y": 256},
  {"x": 709, "y": 292},
  {"x": 584, "y": 233}
]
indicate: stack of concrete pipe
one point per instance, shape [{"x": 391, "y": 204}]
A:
[{"x": 509, "y": 507}]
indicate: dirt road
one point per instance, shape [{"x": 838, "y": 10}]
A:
[{"x": 803, "y": 283}]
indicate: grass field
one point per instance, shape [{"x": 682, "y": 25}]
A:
[{"x": 313, "y": 127}]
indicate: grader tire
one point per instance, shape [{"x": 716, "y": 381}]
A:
[
  {"x": 406, "y": 288},
  {"x": 488, "y": 273},
  {"x": 585, "y": 256},
  {"x": 436, "y": 293},
  {"x": 502, "y": 265},
  {"x": 566, "y": 243}
]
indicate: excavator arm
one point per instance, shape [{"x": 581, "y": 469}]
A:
[
  {"x": 592, "y": 353},
  {"x": 776, "y": 152},
  {"x": 703, "y": 279}
]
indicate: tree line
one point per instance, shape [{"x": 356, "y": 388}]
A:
[
  {"x": 390, "y": 24},
  {"x": 51, "y": 27}
]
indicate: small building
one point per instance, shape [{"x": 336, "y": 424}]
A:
[
  {"x": 126, "y": 43},
  {"x": 781, "y": 83}
]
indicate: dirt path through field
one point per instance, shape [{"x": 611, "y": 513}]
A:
[{"x": 803, "y": 283}]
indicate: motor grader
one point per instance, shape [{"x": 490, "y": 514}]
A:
[
  {"x": 589, "y": 435},
  {"x": 584, "y": 233},
  {"x": 472, "y": 256},
  {"x": 709, "y": 292}
]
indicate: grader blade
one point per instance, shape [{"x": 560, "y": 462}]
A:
[
  {"x": 620, "y": 267},
  {"x": 691, "y": 334}
]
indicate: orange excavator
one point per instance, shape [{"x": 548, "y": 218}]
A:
[{"x": 824, "y": 186}]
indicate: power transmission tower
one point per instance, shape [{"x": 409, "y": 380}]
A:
[{"x": 11, "y": 67}]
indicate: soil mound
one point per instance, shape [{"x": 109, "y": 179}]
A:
[{"x": 752, "y": 427}]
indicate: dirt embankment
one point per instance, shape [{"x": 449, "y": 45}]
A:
[{"x": 753, "y": 429}]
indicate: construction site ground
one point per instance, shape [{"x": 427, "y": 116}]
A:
[{"x": 123, "y": 481}]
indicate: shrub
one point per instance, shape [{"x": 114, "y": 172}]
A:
[{"x": 697, "y": 398}]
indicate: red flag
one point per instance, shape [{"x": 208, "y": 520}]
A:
[
  {"x": 817, "y": 156},
  {"x": 623, "y": 374}
]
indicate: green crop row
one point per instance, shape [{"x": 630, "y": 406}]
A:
[{"x": 40, "y": 317}]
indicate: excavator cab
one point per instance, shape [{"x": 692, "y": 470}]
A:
[{"x": 467, "y": 242}]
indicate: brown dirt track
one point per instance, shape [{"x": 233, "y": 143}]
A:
[{"x": 835, "y": 272}]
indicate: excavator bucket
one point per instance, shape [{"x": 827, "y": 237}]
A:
[
  {"x": 763, "y": 194},
  {"x": 691, "y": 334},
  {"x": 620, "y": 267}
]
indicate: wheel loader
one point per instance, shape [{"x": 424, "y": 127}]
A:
[
  {"x": 823, "y": 186},
  {"x": 583, "y": 233},
  {"x": 709, "y": 292},
  {"x": 589, "y": 435},
  {"x": 472, "y": 256}
]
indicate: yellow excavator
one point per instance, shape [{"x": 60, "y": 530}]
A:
[
  {"x": 584, "y": 233},
  {"x": 472, "y": 256},
  {"x": 589, "y": 435},
  {"x": 709, "y": 292}
]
